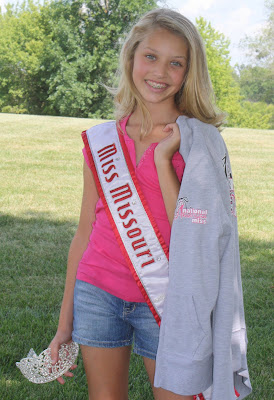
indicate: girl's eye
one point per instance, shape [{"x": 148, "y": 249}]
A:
[
  {"x": 176, "y": 63},
  {"x": 150, "y": 57}
]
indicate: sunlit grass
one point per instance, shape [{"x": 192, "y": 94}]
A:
[{"x": 40, "y": 195}]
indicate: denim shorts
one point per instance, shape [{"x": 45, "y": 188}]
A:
[{"x": 103, "y": 320}]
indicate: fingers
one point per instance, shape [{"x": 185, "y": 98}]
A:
[
  {"x": 167, "y": 128},
  {"x": 68, "y": 374},
  {"x": 171, "y": 127},
  {"x": 61, "y": 380},
  {"x": 174, "y": 134},
  {"x": 54, "y": 349}
]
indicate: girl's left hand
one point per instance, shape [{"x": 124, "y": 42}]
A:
[{"x": 169, "y": 145}]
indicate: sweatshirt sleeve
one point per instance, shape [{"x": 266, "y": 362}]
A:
[{"x": 230, "y": 371}]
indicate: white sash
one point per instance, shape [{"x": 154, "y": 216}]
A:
[{"x": 132, "y": 222}]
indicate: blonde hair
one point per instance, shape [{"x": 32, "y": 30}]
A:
[{"x": 196, "y": 97}]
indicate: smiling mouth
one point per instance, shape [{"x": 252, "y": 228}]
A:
[{"x": 156, "y": 85}]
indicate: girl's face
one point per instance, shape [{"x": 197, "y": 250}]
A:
[{"x": 159, "y": 67}]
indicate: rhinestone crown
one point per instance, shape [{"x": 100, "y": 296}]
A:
[{"x": 39, "y": 369}]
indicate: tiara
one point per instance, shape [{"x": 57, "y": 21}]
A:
[{"x": 39, "y": 369}]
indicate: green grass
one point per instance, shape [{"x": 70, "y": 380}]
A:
[{"x": 40, "y": 195}]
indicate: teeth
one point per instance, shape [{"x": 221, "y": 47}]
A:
[{"x": 156, "y": 85}]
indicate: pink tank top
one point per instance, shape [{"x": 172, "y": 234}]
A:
[{"x": 103, "y": 264}]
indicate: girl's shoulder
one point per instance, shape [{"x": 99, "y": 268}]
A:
[
  {"x": 195, "y": 131},
  {"x": 199, "y": 126}
]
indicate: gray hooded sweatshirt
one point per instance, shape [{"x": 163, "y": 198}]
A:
[{"x": 203, "y": 340}]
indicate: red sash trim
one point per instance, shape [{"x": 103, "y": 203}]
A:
[
  {"x": 112, "y": 222},
  {"x": 201, "y": 397},
  {"x": 237, "y": 394}
]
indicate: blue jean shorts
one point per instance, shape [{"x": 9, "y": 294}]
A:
[{"x": 103, "y": 320}]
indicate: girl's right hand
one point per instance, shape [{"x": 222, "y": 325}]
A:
[
  {"x": 169, "y": 145},
  {"x": 59, "y": 339}
]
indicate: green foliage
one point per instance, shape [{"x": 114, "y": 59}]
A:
[
  {"x": 217, "y": 52},
  {"x": 221, "y": 73},
  {"x": 55, "y": 58},
  {"x": 229, "y": 97},
  {"x": 256, "y": 80},
  {"x": 21, "y": 47},
  {"x": 256, "y": 83},
  {"x": 252, "y": 115}
]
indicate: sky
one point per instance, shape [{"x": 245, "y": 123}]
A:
[{"x": 233, "y": 18}]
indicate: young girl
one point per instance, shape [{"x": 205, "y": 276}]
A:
[{"x": 117, "y": 266}]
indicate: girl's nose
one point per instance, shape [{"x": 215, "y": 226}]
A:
[{"x": 160, "y": 69}]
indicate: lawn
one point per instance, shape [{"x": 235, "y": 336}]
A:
[{"x": 40, "y": 195}]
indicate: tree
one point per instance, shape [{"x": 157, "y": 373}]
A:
[
  {"x": 221, "y": 73},
  {"x": 256, "y": 80},
  {"x": 21, "y": 46},
  {"x": 62, "y": 55},
  {"x": 256, "y": 83},
  {"x": 241, "y": 113},
  {"x": 56, "y": 58},
  {"x": 83, "y": 53},
  {"x": 260, "y": 48}
]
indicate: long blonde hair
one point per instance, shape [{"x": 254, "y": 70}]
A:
[{"x": 196, "y": 97}]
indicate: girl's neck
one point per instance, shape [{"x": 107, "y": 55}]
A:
[{"x": 159, "y": 115}]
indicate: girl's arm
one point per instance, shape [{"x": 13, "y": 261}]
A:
[
  {"x": 78, "y": 246},
  {"x": 169, "y": 182}
]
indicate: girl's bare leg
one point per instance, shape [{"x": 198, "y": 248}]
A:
[
  {"x": 161, "y": 394},
  {"x": 107, "y": 372}
]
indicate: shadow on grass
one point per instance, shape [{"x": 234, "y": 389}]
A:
[{"x": 33, "y": 255}]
